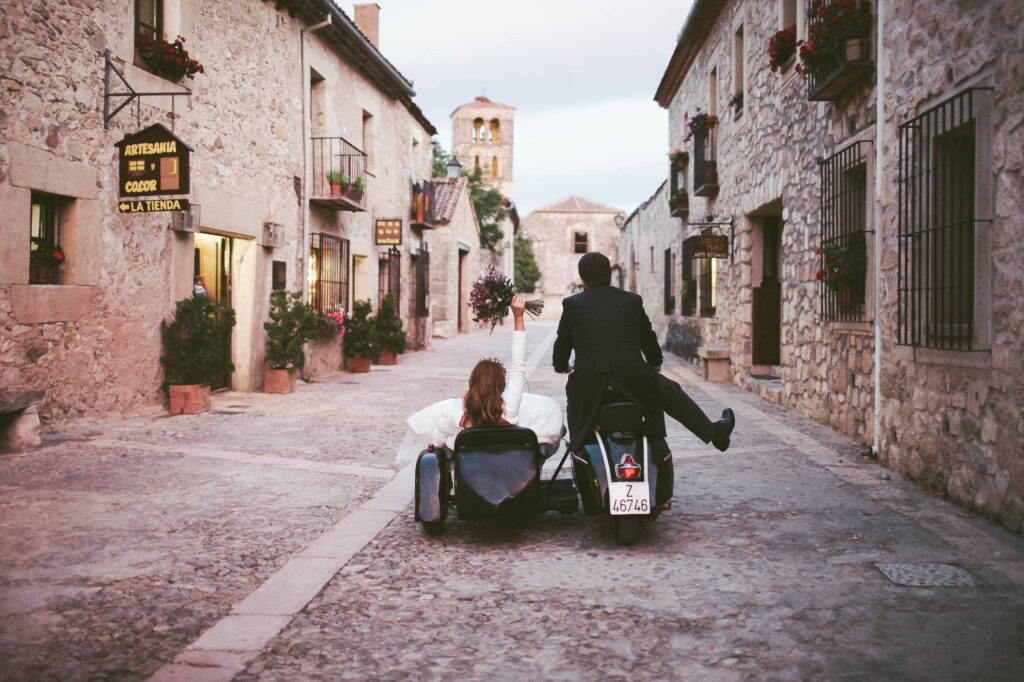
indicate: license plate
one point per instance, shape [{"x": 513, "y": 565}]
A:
[{"x": 629, "y": 498}]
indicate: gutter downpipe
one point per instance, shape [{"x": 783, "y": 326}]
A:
[
  {"x": 876, "y": 284},
  {"x": 307, "y": 171}
]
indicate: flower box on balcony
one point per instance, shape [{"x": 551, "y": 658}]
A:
[{"x": 851, "y": 64}]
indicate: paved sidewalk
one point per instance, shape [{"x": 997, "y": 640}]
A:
[{"x": 272, "y": 538}]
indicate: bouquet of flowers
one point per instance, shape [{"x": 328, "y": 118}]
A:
[
  {"x": 491, "y": 297},
  {"x": 331, "y": 323}
]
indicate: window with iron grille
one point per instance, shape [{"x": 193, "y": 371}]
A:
[
  {"x": 941, "y": 210},
  {"x": 328, "y": 272},
  {"x": 844, "y": 265},
  {"x": 708, "y": 286},
  {"x": 389, "y": 274},
  {"x": 670, "y": 294},
  {"x": 579, "y": 244}
]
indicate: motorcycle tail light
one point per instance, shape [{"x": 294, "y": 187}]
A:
[{"x": 627, "y": 468}]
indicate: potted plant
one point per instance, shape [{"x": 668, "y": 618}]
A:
[
  {"x": 390, "y": 337},
  {"x": 44, "y": 260},
  {"x": 679, "y": 158},
  {"x": 843, "y": 267},
  {"x": 336, "y": 179},
  {"x": 359, "y": 185},
  {"x": 700, "y": 123},
  {"x": 330, "y": 324},
  {"x": 781, "y": 49},
  {"x": 291, "y": 324},
  {"x": 359, "y": 347},
  {"x": 197, "y": 352},
  {"x": 679, "y": 203},
  {"x": 168, "y": 59},
  {"x": 837, "y": 33}
]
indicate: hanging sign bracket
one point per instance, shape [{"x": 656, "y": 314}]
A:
[{"x": 130, "y": 95}]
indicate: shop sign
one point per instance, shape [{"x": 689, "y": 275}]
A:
[
  {"x": 152, "y": 205},
  {"x": 388, "y": 231},
  {"x": 152, "y": 161},
  {"x": 710, "y": 246}
]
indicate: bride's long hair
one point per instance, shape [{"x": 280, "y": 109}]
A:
[{"x": 483, "y": 404}]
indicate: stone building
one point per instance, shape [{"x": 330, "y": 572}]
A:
[
  {"x": 290, "y": 91},
  {"x": 563, "y": 231},
  {"x": 455, "y": 248},
  {"x": 847, "y": 243}
]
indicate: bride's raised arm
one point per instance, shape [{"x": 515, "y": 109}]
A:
[{"x": 515, "y": 377}]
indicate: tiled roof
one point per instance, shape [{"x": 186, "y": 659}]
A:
[
  {"x": 446, "y": 197},
  {"x": 484, "y": 102},
  {"x": 575, "y": 204}
]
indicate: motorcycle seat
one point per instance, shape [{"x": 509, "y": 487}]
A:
[{"x": 621, "y": 418}]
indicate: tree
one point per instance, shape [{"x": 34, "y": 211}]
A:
[
  {"x": 527, "y": 273},
  {"x": 488, "y": 202},
  {"x": 440, "y": 159}
]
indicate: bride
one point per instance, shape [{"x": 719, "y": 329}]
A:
[{"x": 494, "y": 398}]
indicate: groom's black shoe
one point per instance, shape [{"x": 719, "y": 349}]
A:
[{"x": 723, "y": 429}]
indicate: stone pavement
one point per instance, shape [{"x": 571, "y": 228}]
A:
[{"x": 273, "y": 539}]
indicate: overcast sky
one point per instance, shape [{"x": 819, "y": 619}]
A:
[{"x": 582, "y": 76}]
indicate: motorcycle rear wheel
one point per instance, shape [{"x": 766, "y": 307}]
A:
[{"x": 626, "y": 529}]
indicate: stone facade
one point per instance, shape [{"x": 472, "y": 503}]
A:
[
  {"x": 554, "y": 229},
  {"x": 455, "y": 248},
  {"x": 950, "y": 418},
  {"x": 87, "y": 347}
]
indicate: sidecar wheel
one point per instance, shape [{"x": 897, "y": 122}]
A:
[
  {"x": 626, "y": 530},
  {"x": 433, "y": 527}
]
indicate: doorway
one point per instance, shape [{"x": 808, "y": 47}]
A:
[
  {"x": 212, "y": 264},
  {"x": 766, "y": 313}
]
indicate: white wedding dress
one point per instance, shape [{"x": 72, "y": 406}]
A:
[{"x": 438, "y": 424}]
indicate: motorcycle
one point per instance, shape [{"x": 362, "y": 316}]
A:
[{"x": 495, "y": 475}]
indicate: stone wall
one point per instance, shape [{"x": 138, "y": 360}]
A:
[
  {"x": 954, "y": 419},
  {"x": 552, "y": 235}
]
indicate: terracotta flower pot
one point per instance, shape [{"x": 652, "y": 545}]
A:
[
  {"x": 189, "y": 399},
  {"x": 278, "y": 381},
  {"x": 387, "y": 358},
  {"x": 856, "y": 50},
  {"x": 335, "y": 188},
  {"x": 357, "y": 363}
]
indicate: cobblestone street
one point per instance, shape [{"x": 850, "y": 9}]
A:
[{"x": 273, "y": 539}]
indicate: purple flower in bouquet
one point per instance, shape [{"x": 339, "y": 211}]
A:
[{"x": 491, "y": 298}]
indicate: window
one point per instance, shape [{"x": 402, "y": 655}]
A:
[
  {"x": 579, "y": 244},
  {"x": 713, "y": 92},
  {"x": 45, "y": 239},
  {"x": 476, "y": 162},
  {"x": 328, "y": 273},
  {"x": 369, "y": 137},
  {"x": 670, "y": 291},
  {"x": 495, "y": 131},
  {"x": 688, "y": 290},
  {"x": 708, "y": 286},
  {"x": 478, "y": 133},
  {"x": 279, "y": 276},
  {"x": 844, "y": 245},
  {"x": 149, "y": 19},
  {"x": 419, "y": 295},
  {"x": 943, "y": 229},
  {"x": 389, "y": 277},
  {"x": 494, "y": 167},
  {"x": 738, "y": 71}
]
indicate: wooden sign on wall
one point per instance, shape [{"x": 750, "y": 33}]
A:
[{"x": 152, "y": 161}]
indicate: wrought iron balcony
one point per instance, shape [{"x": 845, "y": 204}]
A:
[
  {"x": 339, "y": 174},
  {"x": 422, "y": 212},
  {"x": 840, "y": 71},
  {"x": 705, "y": 166}
]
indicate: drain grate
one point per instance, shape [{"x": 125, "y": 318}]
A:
[{"x": 929, "y": 575}]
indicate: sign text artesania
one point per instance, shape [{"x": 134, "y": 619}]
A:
[
  {"x": 709, "y": 246},
  {"x": 153, "y": 161}
]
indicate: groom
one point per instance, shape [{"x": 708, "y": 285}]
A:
[{"x": 614, "y": 341}]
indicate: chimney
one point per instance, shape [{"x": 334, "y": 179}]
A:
[{"x": 368, "y": 21}]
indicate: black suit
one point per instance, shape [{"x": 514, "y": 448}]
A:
[{"x": 612, "y": 336}]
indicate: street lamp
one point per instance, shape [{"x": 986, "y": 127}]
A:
[
  {"x": 619, "y": 219},
  {"x": 454, "y": 167}
]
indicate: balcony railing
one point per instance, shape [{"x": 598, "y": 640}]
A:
[
  {"x": 421, "y": 214},
  {"x": 839, "y": 71},
  {"x": 705, "y": 167},
  {"x": 339, "y": 174}
]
